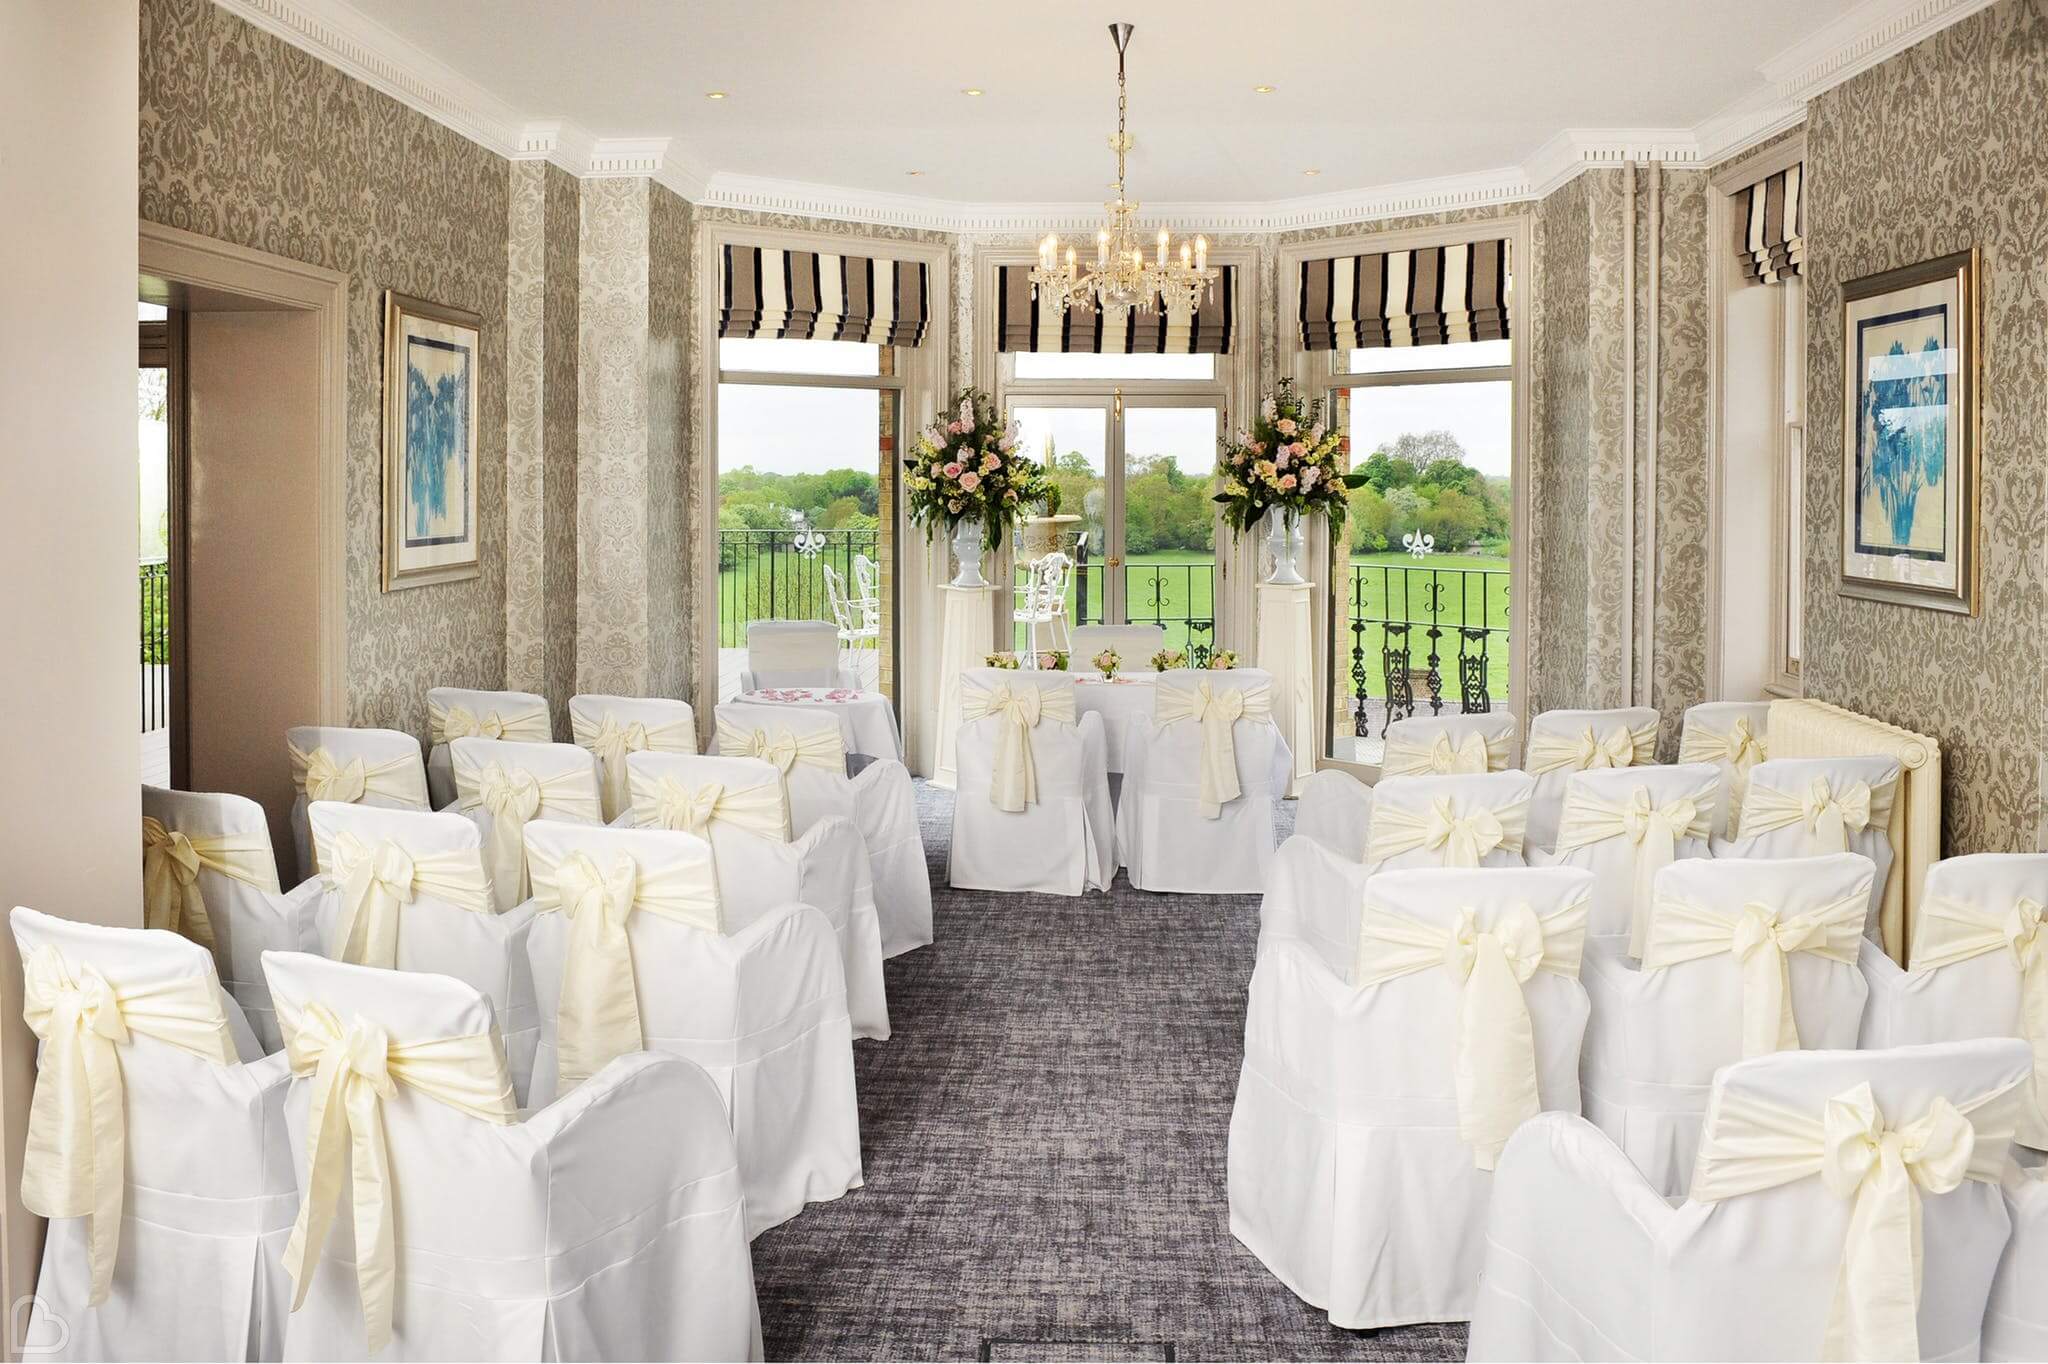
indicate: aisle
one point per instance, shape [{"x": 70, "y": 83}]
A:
[{"x": 1044, "y": 1144}]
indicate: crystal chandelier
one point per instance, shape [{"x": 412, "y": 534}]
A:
[{"x": 1122, "y": 277}]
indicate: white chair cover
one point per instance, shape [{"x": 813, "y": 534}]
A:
[
  {"x": 762, "y": 1008},
  {"x": 1134, "y": 644},
  {"x": 738, "y": 806},
  {"x": 408, "y": 890},
  {"x": 2016, "y": 1322},
  {"x": 1625, "y": 825},
  {"x": 614, "y": 727},
  {"x": 1449, "y": 821},
  {"x": 1063, "y": 840},
  {"x": 500, "y": 785},
  {"x": 1449, "y": 745},
  {"x": 1334, "y": 809},
  {"x": 156, "y": 1147},
  {"x": 609, "y": 1225},
  {"x": 1734, "y": 736},
  {"x": 793, "y": 653},
  {"x": 879, "y": 801},
  {"x": 1562, "y": 742},
  {"x": 207, "y": 858},
  {"x": 354, "y": 766},
  {"x": 1314, "y": 894},
  {"x": 1743, "y": 957},
  {"x": 1201, "y": 785},
  {"x": 1804, "y": 807},
  {"x": 1375, "y": 1091},
  {"x": 1824, "y": 1178},
  {"x": 459, "y": 713},
  {"x": 1980, "y": 967}
]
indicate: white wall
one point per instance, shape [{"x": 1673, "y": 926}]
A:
[{"x": 70, "y": 807}]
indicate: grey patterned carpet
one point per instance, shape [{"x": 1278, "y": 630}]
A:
[{"x": 1043, "y": 1139}]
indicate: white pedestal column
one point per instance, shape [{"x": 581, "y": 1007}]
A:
[
  {"x": 1287, "y": 650},
  {"x": 967, "y": 636}
]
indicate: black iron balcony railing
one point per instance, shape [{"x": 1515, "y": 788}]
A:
[
  {"x": 1178, "y": 594},
  {"x": 1425, "y": 636},
  {"x": 155, "y": 644},
  {"x": 780, "y": 575}
]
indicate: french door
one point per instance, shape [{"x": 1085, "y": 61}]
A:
[{"x": 1137, "y": 473}]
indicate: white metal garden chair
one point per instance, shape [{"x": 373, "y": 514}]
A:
[
  {"x": 858, "y": 617},
  {"x": 1042, "y": 601}
]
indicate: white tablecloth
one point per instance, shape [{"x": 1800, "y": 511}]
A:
[
  {"x": 866, "y": 719},
  {"x": 1125, "y": 706}
]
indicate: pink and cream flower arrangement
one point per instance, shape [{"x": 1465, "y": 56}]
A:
[
  {"x": 1290, "y": 458},
  {"x": 965, "y": 466}
]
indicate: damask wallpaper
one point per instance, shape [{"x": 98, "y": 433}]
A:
[
  {"x": 672, "y": 493},
  {"x": 1933, "y": 151},
  {"x": 1562, "y": 433},
  {"x": 246, "y": 138}
]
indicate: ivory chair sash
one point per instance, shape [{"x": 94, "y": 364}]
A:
[
  {"x": 502, "y": 785},
  {"x": 408, "y": 890},
  {"x": 1449, "y": 745},
  {"x": 435, "y": 1223},
  {"x": 793, "y": 653},
  {"x": 762, "y": 1008},
  {"x": 155, "y": 1146},
  {"x": 1562, "y": 742},
  {"x": 1805, "y": 807},
  {"x": 1062, "y": 841},
  {"x": 1819, "y": 1173},
  {"x": 615, "y": 727},
  {"x": 456, "y": 713},
  {"x": 1376, "y": 1083},
  {"x": 879, "y": 801},
  {"x": 1744, "y": 957},
  {"x": 1202, "y": 785},
  {"x": 737, "y": 806},
  {"x": 1625, "y": 826},
  {"x": 1734, "y": 736},
  {"x": 781, "y": 740},
  {"x": 1979, "y": 967},
  {"x": 209, "y": 873},
  {"x": 1449, "y": 821},
  {"x": 353, "y": 766}
]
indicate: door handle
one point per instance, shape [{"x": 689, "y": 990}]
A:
[{"x": 1115, "y": 561}]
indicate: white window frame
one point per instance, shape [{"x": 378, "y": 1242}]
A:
[{"x": 1322, "y": 373}]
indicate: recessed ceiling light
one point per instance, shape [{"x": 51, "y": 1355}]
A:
[
  {"x": 1311, "y": 172},
  {"x": 714, "y": 94},
  {"x": 973, "y": 90},
  {"x": 913, "y": 172},
  {"x": 1264, "y": 89}
]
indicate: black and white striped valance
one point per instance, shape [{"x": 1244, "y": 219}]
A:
[
  {"x": 811, "y": 296},
  {"x": 1772, "y": 216},
  {"x": 1022, "y": 325},
  {"x": 1434, "y": 296}
]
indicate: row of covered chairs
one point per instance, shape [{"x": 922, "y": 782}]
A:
[{"x": 1195, "y": 812}]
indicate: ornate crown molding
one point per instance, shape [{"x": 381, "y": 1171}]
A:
[{"x": 338, "y": 34}]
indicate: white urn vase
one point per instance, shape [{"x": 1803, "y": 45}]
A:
[
  {"x": 1285, "y": 541},
  {"x": 967, "y": 551}
]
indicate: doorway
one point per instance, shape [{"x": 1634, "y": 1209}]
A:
[
  {"x": 159, "y": 422},
  {"x": 1137, "y": 470}
]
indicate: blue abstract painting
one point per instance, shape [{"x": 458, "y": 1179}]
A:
[
  {"x": 438, "y": 375},
  {"x": 1905, "y": 363}
]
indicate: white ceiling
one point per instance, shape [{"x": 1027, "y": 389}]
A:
[{"x": 1370, "y": 95}]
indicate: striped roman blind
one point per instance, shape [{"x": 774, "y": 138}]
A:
[
  {"x": 811, "y": 296},
  {"x": 1431, "y": 296},
  {"x": 1020, "y": 325},
  {"x": 1772, "y": 216}
]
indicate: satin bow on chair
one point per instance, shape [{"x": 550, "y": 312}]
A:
[
  {"x": 172, "y": 861},
  {"x": 75, "y": 1161},
  {"x": 820, "y": 748},
  {"x": 1830, "y": 816},
  {"x": 1949, "y": 930},
  {"x": 459, "y": 722},
  {"x": 1617, "y": 746},
  {"x": 374, "y": 882},
  {"x": 1462, "y": 840},
  {"x": 1013, "y": 777},
  {"x": 1760, "y": 937},
  {"x": 1653, "y": 830},
  {"x": 513, "y": 796},
  {"x": 1496, "y": 1048},
  {"x": 611, "y": 742},
  {"x": 1457, "y": 837},
  {"x": 351, "y": 1070},
  {"x": 666, "y": 803},
  {"x": 399, "y": 781},
  {"x": 1882, "y": 1168},
  {"x": 1737, "y": 748},
  {"x": 326, "y": 779},
  {"x": 1217, "y": 710}
]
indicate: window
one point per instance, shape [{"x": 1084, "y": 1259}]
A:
[
  {"x": 1080, "y": 365},
  {"x": 1421, "y": 608}
]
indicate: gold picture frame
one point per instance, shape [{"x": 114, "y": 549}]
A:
[
  {"x": 1912, "y": 371},
  {"x": 431, "y": 377}
]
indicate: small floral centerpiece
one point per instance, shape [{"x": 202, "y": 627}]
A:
[
  {"x": 1003, "y": 660},
  {"x": 1053, "y": 661},
  {"x": 1107, "y": 662},
  {"x": 1287, "y": 465},
  {"x": 1223, "y": 660},
  {"x": 1166, "y": 660},
  {"x": 964, "y": 471},
  {"x": 1047, "y": 660}
]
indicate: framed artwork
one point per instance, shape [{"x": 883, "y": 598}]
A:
[
  {"x": 1910, "y": 367},
  {"x": 430, "y": 405}
]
